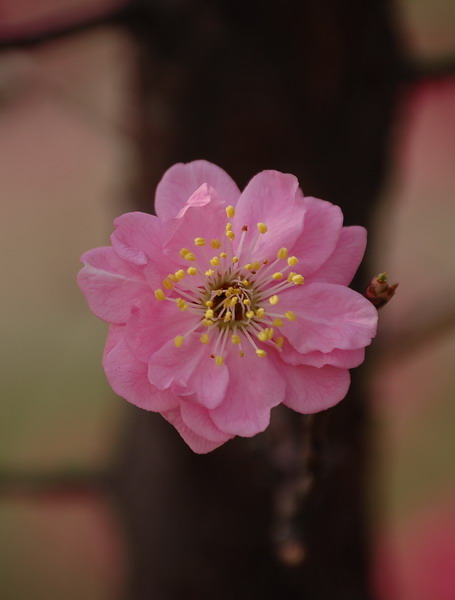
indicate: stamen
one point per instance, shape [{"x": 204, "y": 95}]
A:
[
  {"x": 180, "y": 274},
  {"x": 191, "y": 271},
  {"x": 204, "y": 339},
  {"x": 277, "y": 275},
  {"x": 260, "y": 312},
  {"x": 189, "y": 256},
  {"x": 167, "y": 284},
  {"x": 290, "y": 315},
  {"x": 199, "y": 241},
  {"x": 178, "y": 340},
  {"x": 215, "y": 244},
  {"x": 230, "y": 235},
  {"x": 262, "y": 227},
  {"x": 292, "y": 261},
  {"x": 219, "y": 360},
  {"x": 230, "y": 211},
  {"x": 261, "y": 353},
  {"x": 223, "y": 255},
  {"x": 282, "y": 253},
  {"x": 279, "y": 342},
  {"x": 215, "y": 261},
  {"x": 235, "y": 339},
  {"x": 160, "y": 295},
  {"x": 209, "y": 272},
  {"x": 235, "y": 259},
  {"x": 183, "y": 251},
  {"x": 277, "y": 322},
  {"x": 274, "y": 299},
  {"x": 298, "y": 279}
]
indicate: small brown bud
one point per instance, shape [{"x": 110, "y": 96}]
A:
[{"x": 379, "y": 292}]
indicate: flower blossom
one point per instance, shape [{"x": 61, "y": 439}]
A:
[{"x": 227, "y": 304}]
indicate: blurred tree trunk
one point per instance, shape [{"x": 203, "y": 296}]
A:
[{"x": 307, "y": 88}]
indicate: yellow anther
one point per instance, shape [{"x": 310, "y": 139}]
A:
[
  {"x": 204, "y": 339},
  {"x": 223, "y": 255},
  {"x": 249, "y": 314},
  {"x": 189, "y": 256},
  {"x": 207, "y": 322},
  {"x": 247, "y": 301},
  {"x": 183, "y": 305},
  {"x": 235, "y": 259},
  {"x": 261, "y": 353},
  {"x": 218, "y": 292},
  {"x": 266, "y": 334},
  {"x": 277, "y": 275},
  {"x": 230, "y": 211},
  {"x": 278, "y": 322},
  {"x": 199, "y": 241},
  {"x": 215, "y": 244},
  {"x": 298, "y": 279},
  {"x": 230, "y": 235},
  {"x": 209, "y": 313},
  {"x": 260, "y": 312},
  {"x": 292, "y": 261},
  {"x": 227, "y": 317},
  {"x": 233, "y": 301},
  {"x": 274, "y": 299},
  {"x": 228, "y": 226},
  {"x": 178, "y": 340},
  {"x": 247, "y": 266},
  {"x": 290, "y": 315},
  {"x": 209, "y": 272},
  {"x": 209, "y": 303},
  {"x": 215, "y": 261},
  {"x": 167, "y": 284},
  {"x": 279, "y": 342},
  {"x": 291, "y": 275},
  {"x": 256, "y": 265},
  {"x": 262, "y": 227},
  {"x": 191, "y": 271},
  {"x": 172, "y": 277},
  {"x": 183, "y": 251},
  {"x": 245, "y": 282},
  {"x": 180, "y": 274},
  {"x": 219, "y": 360},
  {"x": 235, "y": 339},
  {"x": 160, "y": 295},
  {"x": 282, "y": 253}
]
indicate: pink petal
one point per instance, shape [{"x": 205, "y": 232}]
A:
[
  {"x": 310, "y": 390},
  {"x": 321, "y": 230},
  {"x": 138, "y": 237},
  {"x": 189, "y": 370},
  {"x": 197, "y": 418},
  {"x": 197, "y": 443},
  {"x": 342, "y": 264},
  {"x": 181, "y": 180},
  {"x": 153, "y": 324},
  {"x": 275, "y": 199},
  {"x": 111, "y": 285},
  {"x": 202, "y": 216},
  {"x": 329, "y": 316},
  {"x": 128, "y": 377},
  {"x": 255, "y": 386},
  {"x": 347, "y": 359}
]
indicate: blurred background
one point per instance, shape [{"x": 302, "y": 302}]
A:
[{"x": 101, "y": 501}]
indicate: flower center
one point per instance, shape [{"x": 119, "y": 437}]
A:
[{"x": 232, "y": 295}]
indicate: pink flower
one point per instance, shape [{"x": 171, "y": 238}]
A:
[{"x": 227, "y": 304}]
